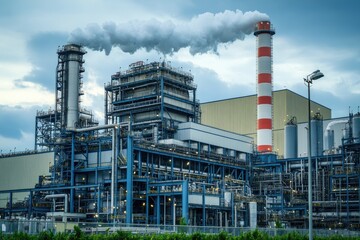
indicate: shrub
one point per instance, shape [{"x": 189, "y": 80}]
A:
[{"x": 45, "y": 235}]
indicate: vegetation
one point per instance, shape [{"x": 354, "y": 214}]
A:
[{"x": 79, "y": 235}]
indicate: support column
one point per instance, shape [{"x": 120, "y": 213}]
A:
[
  {"x": 185, "y": 200},
  {"x": 129, "y": 180},
  {"x": 203, "y": 206},
  {"x": 157, "y": 210},
  {"x": 72, "y": 178},
  {"x": 30, "y": 203},
  {"x": 99, "y": 202}
]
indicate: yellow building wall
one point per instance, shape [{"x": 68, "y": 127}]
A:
[
  {"x": 239, "y": 114},
  {"x": 20, "y": 172}
]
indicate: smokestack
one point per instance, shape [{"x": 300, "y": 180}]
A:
[
  {"x": 264, "y": 32},
  {"x": 68, "y": 86},
  {"x": 203, "y": 33}
]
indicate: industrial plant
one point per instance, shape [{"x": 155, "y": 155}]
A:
[{"x": 162, "y": 157}]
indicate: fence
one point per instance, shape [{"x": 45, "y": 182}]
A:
[{"x": 37, "y": 226}]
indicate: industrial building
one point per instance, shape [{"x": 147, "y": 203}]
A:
[
  {"x": 163, "y": 158},
  {"x": 239, "y": 115}
]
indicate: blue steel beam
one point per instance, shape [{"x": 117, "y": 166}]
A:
[
  {"x": 162, "y": 99},
  {"x": 30, "y": 204},
  {"x": 10, "y": 204},
  {"x": 47, "y": 189},
  {"x": 129, "y": 177},
  {"x": 166, "y": 183},
  {"x": 98, "y": 205},
  {"x": 140, "y": 164},
  {"x": 147, "y": 201},
  {"x": 157, "y": 209},
  {"x": 72, "y": 176},
  {"x": 185, "y": 200},
  {"x": 203, "y": 206}
]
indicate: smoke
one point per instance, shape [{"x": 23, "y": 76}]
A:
[{"x": 203, "y": 33}]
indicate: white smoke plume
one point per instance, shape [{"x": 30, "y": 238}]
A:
[{"x": 201, "y": 34}]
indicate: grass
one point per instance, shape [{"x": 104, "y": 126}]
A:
[{"x": 77, "y": 234}]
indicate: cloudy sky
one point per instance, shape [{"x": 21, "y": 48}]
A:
[{"x": 309, "y": 35}]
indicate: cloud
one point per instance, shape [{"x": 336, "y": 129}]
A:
[
  {"x": 25, "y": 94},
  {"x": 203, "y": 33},
  {"x": 340, "y": 85},
  {"x": 15, "y": 121},
  {"x": 24, "y": 141},
  {"x": 42, "y": 49},
  {"x": 235, "y": 65}
]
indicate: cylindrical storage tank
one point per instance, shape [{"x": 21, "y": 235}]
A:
[
  {"x": 316, "y": 137},
  {"x": 290, "y": 141},
  {"x": 345, "y": 133},
  {"x": 329, "y": 139},
  {"x": 356, "y": 127},
  {"x": 264, "y": 34}
]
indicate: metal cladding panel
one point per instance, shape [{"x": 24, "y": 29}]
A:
[
  {"x": 216, "y": 137},
  {"x": 209, "y": 200},
  {"x": 73, "y": 86},
  {"x": 93, "y": 158},
  {"x": 23, "y": 171},
  {"x": 356, "y": 127},
  {"x": 264, "y": 65},
  {"x": 264, "y": 40},
  {"x": 236, "y": 115},
  {"x": 290, "y": 141},
  {"x": 264, "y": 89},
  {"x": 264, "y": 111},
  {"x": 253, "y": 214}
]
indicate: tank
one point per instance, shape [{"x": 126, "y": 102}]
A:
[
  {"x": 316, "y": 135},
  {"x": 356, "y": 127},
  {"x": 290, "y": 140},
  {"x": 329, "y": 139},
  {"x": 345, "y": 133}
]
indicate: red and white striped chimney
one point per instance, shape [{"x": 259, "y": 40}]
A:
[{"x": 264, "y": 34}]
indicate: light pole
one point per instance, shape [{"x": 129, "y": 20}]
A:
[{"x": 308, "y": 80}]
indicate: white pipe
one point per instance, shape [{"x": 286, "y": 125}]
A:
[
  {"x": 65, "y": 196},
  {"x": 99, "y": 127},
  {"x": 330, "y": 124},
  {"x": 328, "y": 163}
]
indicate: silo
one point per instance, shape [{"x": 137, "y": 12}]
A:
[
  {"x": 290, "y": 139},
  {"x": 316, "y": 135},
  {"x": 356, "y": 127},
  {"x": 329, "y": 139}
]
